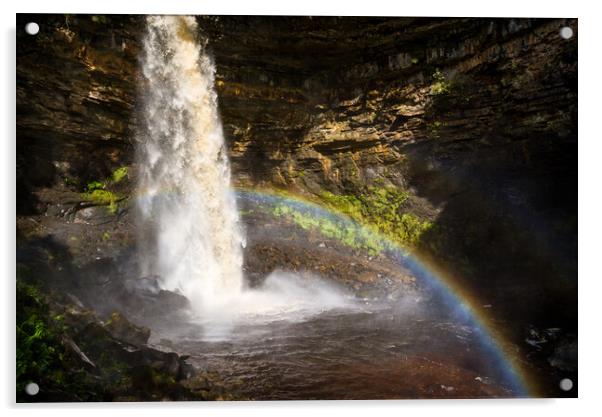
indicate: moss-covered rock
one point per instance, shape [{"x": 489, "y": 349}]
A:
[{"x": 73, "y": 356}]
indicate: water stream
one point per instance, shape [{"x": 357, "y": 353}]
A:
[
  {"x": 191, "y": 233},
  {"x": 193, "y": 238}
]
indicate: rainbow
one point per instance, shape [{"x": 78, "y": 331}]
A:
[{"x": 459, "y": 300}]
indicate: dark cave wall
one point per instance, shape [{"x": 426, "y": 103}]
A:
[{"x": 76, "y": 87}]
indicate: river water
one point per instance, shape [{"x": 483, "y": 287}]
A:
[{"x": 368, "y": 351}]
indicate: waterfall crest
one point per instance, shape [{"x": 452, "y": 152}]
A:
[{"x": 191, "y": 235}]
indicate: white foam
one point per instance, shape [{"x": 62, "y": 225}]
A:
[{"x": 283, "y": 296}]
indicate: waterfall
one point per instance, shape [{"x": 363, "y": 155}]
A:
[
  {"x": 189, "y": 228},
  {"x": 190, "y": 235}
]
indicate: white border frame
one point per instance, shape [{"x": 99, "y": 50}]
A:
[{"x": 590, "y": 196}]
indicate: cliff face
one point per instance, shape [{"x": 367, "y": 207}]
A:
[
  {"x": 325, "y": 94},
  {"x": 474, "y": 120},
  {"x": 340, "y": 99}
]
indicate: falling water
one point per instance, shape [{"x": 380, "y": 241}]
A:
[{"x": 191, "y": 236}]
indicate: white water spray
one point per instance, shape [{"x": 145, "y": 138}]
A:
[
  {"x": 186, "y": 200},
  {"x": 190, "y": 230}
]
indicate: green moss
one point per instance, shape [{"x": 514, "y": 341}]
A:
[
  {"x": 244, "y": 213},
  {"x": 119, "y": 174},
  {"x": 379, "y": 211},
  {"x": 99, "y": 192},
  {"x": 412, "y": 228},
  {"x": 441, "y": 85},
  {"x": 70, "y": 182},
  {"x": 382, "y": 209},
  {"x": 434, "y": 129},
  {"x": 95, "y": 185},
  {"x": 39, "y": 351},
  {"x": 43, "y": 357},
  {"x": 346, "y": 204},
  {"x": 354, "y": 237},
  {"x": 103, "y": 197}
]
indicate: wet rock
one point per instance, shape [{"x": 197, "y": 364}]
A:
[
  {"x": 143, "y": 284},
  {"x": 95, "y": 215},
  {"x": 75, "y": 300},
  {"x": 368, "y": 277},
  {"x": 95, "y": 361},
  {"x": 171, "y": 301},
  {"x": 73, "y": 347},
  {"x": 186, "y": 370},
  {"x": 536, "y": 338},
  {"x": 210, "y": 386},
  {"x": 483, "y": 380},
  {"x": 142, "y": 377},
  {"x": 147, "y": 296},
  {"x": 106, "y": 286},
  {"x": 121, "y": 329},
  {"x": 119, "y": 341},
  {"x": 564, "y": 357}
]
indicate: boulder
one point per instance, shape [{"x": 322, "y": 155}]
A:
[{"x": 121, "y": 329}]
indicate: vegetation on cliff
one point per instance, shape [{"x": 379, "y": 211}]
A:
[
  {"x": 73, "y": 356},
  {"x": 381, "y": 208},
  {"x": 356, "y": 237},
  {"x": 377, "y": 211},
  {"x": 99, "y": 192},
  {"x": 40, "y": 355}
]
